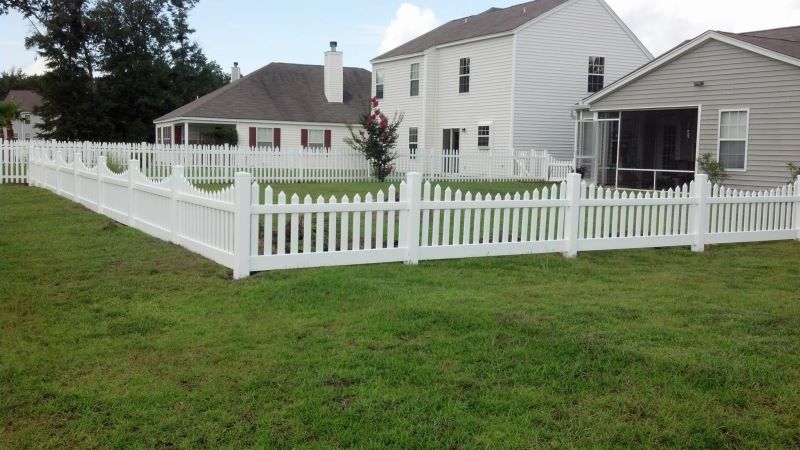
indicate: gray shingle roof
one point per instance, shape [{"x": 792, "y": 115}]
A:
[
  {"x": 491, "y": 21},
  {"x": 284, "y": 92},
  {"x": 27, "y": 100},
  {"x": 781, "y": 40}
]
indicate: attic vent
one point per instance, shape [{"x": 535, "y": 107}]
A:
[
  {"x": 466, "y": 19},
  {"x": 523, "y": 10}
]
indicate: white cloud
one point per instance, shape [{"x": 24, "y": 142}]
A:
[
  {"x": 37, "y": 67},
  {"x": 409, "y": 22},
  {"x": 664, "y": 24}
]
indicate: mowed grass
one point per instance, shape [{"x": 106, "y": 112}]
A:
[
  {"x": 113, "y": 339},
  {"x": 362, "y": 188}
]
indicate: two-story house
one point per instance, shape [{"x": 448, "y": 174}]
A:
[{"x": 506, "y": 78}]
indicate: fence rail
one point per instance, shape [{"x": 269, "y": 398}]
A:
[
  {"x": 416, "y": 222},
  {"x": 206, "y": 164}
]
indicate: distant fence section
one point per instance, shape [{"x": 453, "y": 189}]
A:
[
  {"x": 416, "y": 221},
  {"x": 205, "y": 164}
]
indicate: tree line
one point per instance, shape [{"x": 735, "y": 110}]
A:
[{"x": 112, "y": 65}]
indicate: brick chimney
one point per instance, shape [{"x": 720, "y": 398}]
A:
[{"x": 334, "y": 79}]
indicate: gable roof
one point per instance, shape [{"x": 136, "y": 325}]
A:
[
  {"x": 26, "y": 99},
  {"x": 491, "y": 21},
  {"x": 283, "y": 92},
  {"x": 782, "y": 44},
  {"x": 782, "y": 40}
]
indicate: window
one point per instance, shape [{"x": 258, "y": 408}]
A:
[
  {"x": 413, "y": 141},
  {"x": 733, "y": 129},
  {"x": 483, "y": 136},
  {"x": 25, "y": 118},
  {"x": 597, "y": 69},
  {"x": 264, "y": 137},
  {"x": 166, "y": 137},
  {"x": 463, "y": 75},
  {"x": 316, "y": 139},
  {"x": 415, "y": 79},
  {"x": 378, "y": 83}
]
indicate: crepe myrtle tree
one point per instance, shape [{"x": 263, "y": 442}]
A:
[{"x": 376, "y": 140}]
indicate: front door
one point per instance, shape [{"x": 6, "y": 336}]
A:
[{"x": 450, "y": 149}]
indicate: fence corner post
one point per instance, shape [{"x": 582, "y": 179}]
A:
[
  {"x": 132, "y": 166},
  {"x": 76, "y": 182},
  {"x": 175, "y": 218},
  {"x": 98, "y": 168},
  {"x": 414, "y": 189},
  {"x": 700, "y": 216},
  {"x": 797, "y": 208},
  {"x": 572, "y": 218},
  {"x": 241, "y": 225}
]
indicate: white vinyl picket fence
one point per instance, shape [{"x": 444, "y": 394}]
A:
[
  {"x": 418, "y": 221},
  {"x": 205, "y": 164}
]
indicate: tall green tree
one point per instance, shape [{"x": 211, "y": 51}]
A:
[{"x": 114, "y": 65}]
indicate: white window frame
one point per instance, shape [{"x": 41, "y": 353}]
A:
[
  {"x": 412, "y": 80},
  {"x": 746, "y": 135},
  {"x": 412, "y": 153},
  {"x": 316, "y": 145},
  {"x": 380, "y": 79},
  {"x": 465, "y": 75},
  {"x": 489, "y": 124},
  {"x": 591, "y": 74},
  {"x": 166, "y": 138},
  {"x": 271, "y": 140}
]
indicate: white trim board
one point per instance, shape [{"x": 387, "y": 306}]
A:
[{"x": 679, "y": 51}]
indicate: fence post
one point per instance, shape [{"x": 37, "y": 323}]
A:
[
  {"x": 797, "y": 208},
  {"x": 57, "y": 161},
  {"x": 30, "y": 164},
  {"x": 241, "y": 225},
  {"x": 700, "y": 215},
  {"x": 76, "y": 184},
  {"x": 414, "y": 194},
  {"x": 100, "y": 169},
  {"x": 572, "y": 217},
  {"x": 175, "y": 224},
  {"x": 132, "y": 165}
]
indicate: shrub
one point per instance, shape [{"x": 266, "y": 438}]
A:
[
  {"x": 376, "y": 140},
  {"x": 711, "y": 167},
  {"x": 794, "y": 170}
]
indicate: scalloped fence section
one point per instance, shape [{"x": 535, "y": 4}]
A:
[
  {"x": 219, "y": 164},
  {"x": 415, "y": 220}
]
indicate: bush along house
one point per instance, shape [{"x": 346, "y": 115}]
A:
[{"x": 279, "y": 105}]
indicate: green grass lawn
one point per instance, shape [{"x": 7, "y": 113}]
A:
[
  {"x": 352, "y": 188},
  {"x": 112, "y": 339}
]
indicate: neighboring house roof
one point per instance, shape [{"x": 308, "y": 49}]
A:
[
  {"x": 283, "y": 92},
  {"x": 27, "y": 100},
  {"x": 782, "y": 44},
  {"x": 781, "y": 40},
  {"x": 492, "y": 21}
]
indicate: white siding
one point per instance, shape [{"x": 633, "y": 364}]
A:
[
  {"x": 397, "y": 98},
  {"x": 552, "y": 69},
  {"x": 734, "y": 78},
  {"x": 290, "y": 132},
  {"x": 489, "y": 93}
]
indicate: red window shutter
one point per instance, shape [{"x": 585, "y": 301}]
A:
[
  {"x": 276, "y": 138},
  {"x": 304, "y": 138},
  {"x": 327, "y": 138},
  {"x": 178, "y": 134},
  {"x": 252, "y": 136}
]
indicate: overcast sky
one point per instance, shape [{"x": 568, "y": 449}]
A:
[{"x": 256, "y": 33}]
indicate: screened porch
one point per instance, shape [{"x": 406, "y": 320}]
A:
[{"x": 640, "y": 149}]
